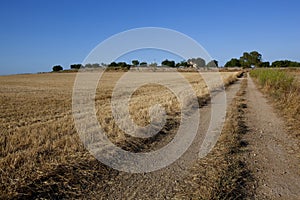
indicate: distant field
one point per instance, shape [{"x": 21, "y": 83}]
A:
[{"x": 37, "y": 133}]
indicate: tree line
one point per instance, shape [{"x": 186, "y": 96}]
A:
[
  {"x": 254, "y": 59},
  {"x": 192, "y": 63},
  {"x": 247, "y": 60}
]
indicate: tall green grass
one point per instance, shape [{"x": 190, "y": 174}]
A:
[{"x": 276, "y": 81}]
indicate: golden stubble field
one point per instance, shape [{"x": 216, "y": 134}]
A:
[{"x": 38, "y": 140}]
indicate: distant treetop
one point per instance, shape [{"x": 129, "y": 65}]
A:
[
  {"x": 254, "y": 59},
  {"x": 57, "y": 68}
]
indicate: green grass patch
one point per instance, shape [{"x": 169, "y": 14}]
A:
[{"x": 276, "y": 81}]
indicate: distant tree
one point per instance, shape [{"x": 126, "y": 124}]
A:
[
  {"x": 76, "y": 66},
  {"x": 119, "y": 65},
  {"x": 196, "y": 62},
  {"x": 123, "y": 65},
  {"x": 212, "y": 63},
  {"x": 233, "y": 63},
  {"x": 257, "y": 57},
  {"x": 135, "y": 62},
  {"x": 113, "y": 64},
  {"x": 245, "y": 60},
  {"x": 169, "y": 63},
  {"x": 182, "y": 64},
  {"x": 57, "y": 68},
  {"x": 280, "y": 63},
  {"x": 285, "y": 63},
  {"x": 143, "y": 64},
  {"x": 249, "y": 59},
  {"x": 264, "y": 64},
  {"x": 294, "y": 64}
]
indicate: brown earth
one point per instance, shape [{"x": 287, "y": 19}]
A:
[{"x": 272, "y": 151}]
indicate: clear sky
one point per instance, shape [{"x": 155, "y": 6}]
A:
[{"x": 35, "y": 35}]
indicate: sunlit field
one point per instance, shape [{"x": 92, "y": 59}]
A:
[{"x": 39, "y": 144}]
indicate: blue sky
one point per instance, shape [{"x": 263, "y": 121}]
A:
[{"x": 35, "y": 35}]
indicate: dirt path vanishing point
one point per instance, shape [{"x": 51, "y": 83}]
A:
[{"x": 271, "y": 149}]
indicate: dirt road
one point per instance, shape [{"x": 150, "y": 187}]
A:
[{"x": 271, "y": 149}]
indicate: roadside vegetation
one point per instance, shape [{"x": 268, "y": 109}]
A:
[{"x": 284, "y": 88}]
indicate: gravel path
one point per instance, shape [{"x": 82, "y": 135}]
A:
[{"x": 271, "y": 156}]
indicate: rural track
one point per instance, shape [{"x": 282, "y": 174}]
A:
[
  {"x": 160, "y": 184},
  {"x": 271, "y": 156}
]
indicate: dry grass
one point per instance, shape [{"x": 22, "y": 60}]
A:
[
  {"x": 223, "y": 174},
  {"x": 296, "y": 73},
  {"x": 290, "y": 106},
  {"x": 41, "y": 155}
]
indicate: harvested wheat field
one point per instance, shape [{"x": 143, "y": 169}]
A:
[{"x": 41, "y": 155}]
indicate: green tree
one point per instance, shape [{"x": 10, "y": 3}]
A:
[
  {"x": 249, "y": 59},
  {"x": 168, "y": 63},
  {"x": 113, "y": 64},
  {"x": 265, "y": 64},
  {"x": 57, "y": 68},
  {"x": 294, "y": 64},
  {"x": 76, "y": 66},
  {"x": 135, "y": 62},
  {"x": 143, "y": 64},
  {"x": 182, "y": 64},
  {"x": 123, "y": 64},
  {"x": 285, "y": 63},
  {"x": 233, "y": 63},
  {"x": 280, "y": 63}
]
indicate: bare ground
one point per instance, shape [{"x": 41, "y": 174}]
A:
[{"x": 272, "y": 151}]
